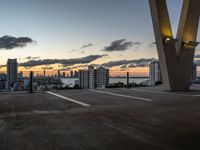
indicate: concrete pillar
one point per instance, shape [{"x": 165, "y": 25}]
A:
[{"x": 176, "y": 55}]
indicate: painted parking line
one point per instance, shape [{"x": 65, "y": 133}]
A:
[
  {"x": 121, "y": 95},
  {"x": 160, "y": 92},
  {"x": 196, "y": 95},
  {"x": 69, "y": 99}
]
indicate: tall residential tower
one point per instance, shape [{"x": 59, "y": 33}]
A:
[
  {"x": 154, "y": 72},
  {"x": 93, "y": 78},
  {"x": 12, "y": 72},
  {"x": 194, "y": 72}
]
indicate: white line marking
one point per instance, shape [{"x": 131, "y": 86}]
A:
[
  {"x": 34, "y": 112},
  {"x": 160, "y": 92},
  {"x": 120, "y": 95},
  {"x": 69, "y": 99},
  {"x": 196, "y": 95}
]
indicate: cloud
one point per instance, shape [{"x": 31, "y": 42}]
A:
[
  {"x": 87, "y": 45},
  {"x": 70, "y": 62},
  {"x": 71, "y": 51},
  {"x": 2, "y": 66},
  {"x": 32, "y": 58},
  {"x": 137, "y": 45},
  {"x": 78, "y": 67},
  {"x": 121, "y": 45},
  {"x": 140, "y": 64},
  {"x": 152, "y": 45},
  {"x": 8, "y": 42},
  {"x": 47, "y": 68},
  {"x": 143, "y": 62},
  {"x": 69, "y": 68}
]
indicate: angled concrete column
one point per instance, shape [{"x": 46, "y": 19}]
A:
[{"x": 176, "y": 54}]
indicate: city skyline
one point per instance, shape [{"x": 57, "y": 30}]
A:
[
  {"x": 100, "y": 74},
  {"x": 67, "y": 33}
]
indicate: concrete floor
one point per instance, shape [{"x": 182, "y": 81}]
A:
[{"x": 42, "y": 121}]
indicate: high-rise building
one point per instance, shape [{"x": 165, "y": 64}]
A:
[
  {"x": 93, "y": 78},
  {"x": 59, "y": 75},
  {"x": 154, "y": 72},
  {"x": 101, "y": 77},
  {"x": 12, "y": 67},
  {"x": 20, "y": 75},
  {"x": 83, "y": 76},
  {"x": 64, "y": 74},
  {"x": 194, "y": 72},
  {"x": 71, "y": 74},
  {"x": 44, "y": 73},
  {"x": 75, "y": 74}
]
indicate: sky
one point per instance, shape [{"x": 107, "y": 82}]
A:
[{"x": 80, "y": 32}]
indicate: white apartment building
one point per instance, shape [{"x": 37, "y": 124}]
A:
[
  {"x": 83, "y": 76},
  {"x": 154, "y": 72},
  {"x": 101, "y": 77},
  {"x": 93, "y": 78},
  {"x": 194, "y": 72}
]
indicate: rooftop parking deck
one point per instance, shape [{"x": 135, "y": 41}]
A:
[{"x": 110, "y": 119}]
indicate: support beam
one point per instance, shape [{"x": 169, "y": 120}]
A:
[{"x": 176, "y": 55}]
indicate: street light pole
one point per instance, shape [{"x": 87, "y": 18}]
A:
[
  {"x": 31, "y": 82},
  {"x": 127, "y": 79}
]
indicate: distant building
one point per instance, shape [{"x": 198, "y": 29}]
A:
[
  {"x": 71, "y": 74},
  {"x": 194, "y": 72},
  {"x": 12, "y": 67},
  {"x": 2, "y": 85},
  {"x": 93, "y": 78},
  {"x": 101, "y": 77},
  {"x": 75, "y": 74},
  {"x": 3, "y": 76},
  {"x": 26, "y": 84},
  {"x": 83, "y": 76},
  {"x": 19, "y": 80},
  {"x": 59, "y": 75},
  {"x": 154, "y": 72},
  {"x": 44, "y": 73},
  {"x": 64, "y": 74},
  {"x": 2, "y": 81},
  {"x": 20, "y": 75}
]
